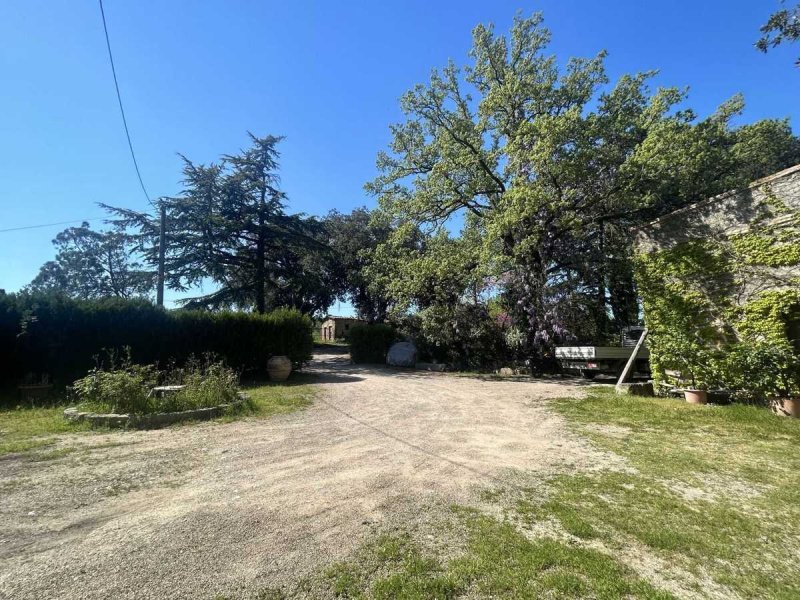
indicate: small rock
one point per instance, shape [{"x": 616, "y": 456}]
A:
[{"x": 32, "y": 514}]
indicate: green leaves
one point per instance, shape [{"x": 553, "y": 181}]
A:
[
  {"x": 94, "y": 264},
  {"x": 783, "y": 26},
  {"x": 550, "y": 172},
  {"x": 230, "y": 225}
]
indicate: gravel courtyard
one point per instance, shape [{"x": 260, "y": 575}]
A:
[{"x": 228, "y": 509}]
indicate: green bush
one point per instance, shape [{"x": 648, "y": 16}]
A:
[
  {"x": 764, "y": 371},
  {"x": 370, "y": 343},
  {"x": 57, "y": 336},
  {"x": 207, "y": 383},
  {"x": 122, "y": 387},
  {"x": 462, "y": 335}
]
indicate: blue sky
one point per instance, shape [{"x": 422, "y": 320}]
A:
[{"x": 196, "y": 75}]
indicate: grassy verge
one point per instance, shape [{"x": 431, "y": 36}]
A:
[
  {"x": 320, "y": 343},
  {"x": 24, "y": 429},
  {"x": 267, "y": 399}
]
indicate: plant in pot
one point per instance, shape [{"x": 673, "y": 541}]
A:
[
  {"x": 698, "y": 367},
  {"x": 769, "y": 372}
]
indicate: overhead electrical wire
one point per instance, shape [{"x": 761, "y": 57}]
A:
[
  {"x": 127, "y": 136},
  {"x": 49, "y": 224},
  {"x": 119, "y": 99}
]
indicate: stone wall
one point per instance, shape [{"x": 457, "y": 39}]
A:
[
  {"x": 721, "y": 279},
  {"x": 769, "y": 206}
]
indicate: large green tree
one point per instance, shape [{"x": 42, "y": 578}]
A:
[
  {"x": 353, "y": 237},
  {"x": 228, "y": 229},
  {"x": 95, "y": 264},
  {"x": 230, "y": 225},
  {"x": 549, "y": 169}
]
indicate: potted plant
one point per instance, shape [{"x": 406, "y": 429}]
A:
[
  {"x": 769, "y": 372},
  {"x": 697, "y": 366}
]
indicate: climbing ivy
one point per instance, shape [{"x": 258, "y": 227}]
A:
[
  {"x": 782, "y": 250},
  {"x": 718, "y": 309}
]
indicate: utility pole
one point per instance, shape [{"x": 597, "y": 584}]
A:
[{"x": 162, "y": 246}]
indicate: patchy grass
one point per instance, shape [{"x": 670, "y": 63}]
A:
[
  {"x": 267, "y": 399},
  {"x": 498, "y": 562},
  {"x": 320, "y": 343},
  {"x": 673, "y": 439},
  {"x": 52, "y": 454},
  {"x": 25, "y": 429},
  {"x": 714, "y": 490},
  {"x": 709, "y": 507}
]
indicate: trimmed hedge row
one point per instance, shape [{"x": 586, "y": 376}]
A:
[
  {"x": 370, "y": 343},
  {"x": 60, "y": 337}
]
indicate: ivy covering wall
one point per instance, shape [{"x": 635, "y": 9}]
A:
[{"x": 720, "y": 289}]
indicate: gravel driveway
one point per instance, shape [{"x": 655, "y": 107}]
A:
[{"x": 228, "y": 509}]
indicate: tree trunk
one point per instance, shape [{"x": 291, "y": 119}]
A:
[
  {"x": 602, "y": 306},
  {"x": 533, "y": 279},
  {"x": 261, "y": 257}
]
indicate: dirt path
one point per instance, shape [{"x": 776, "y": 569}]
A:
[{"x": 229, "y": 509}]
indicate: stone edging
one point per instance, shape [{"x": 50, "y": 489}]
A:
[{"x": 153, "y": 420}]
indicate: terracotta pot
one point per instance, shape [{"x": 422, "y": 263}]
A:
[
  {"x": 279, "y": 368},
  {"x": 696, "y": 396},
  {"x": 790, "y": 407}
]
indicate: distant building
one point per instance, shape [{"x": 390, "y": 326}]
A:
[{"x": 334, "y": 328}]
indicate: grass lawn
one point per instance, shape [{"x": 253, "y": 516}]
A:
[
  {"x": 267, "y": 399},
  {"x": 715, "y": 490},
  {"x": 705, "y": 503},
  {"x": 24, "y": 429},
  {"x": 499, "y": 561}
]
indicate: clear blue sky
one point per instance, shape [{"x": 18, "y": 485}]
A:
[{"x": 195, "y": 75}]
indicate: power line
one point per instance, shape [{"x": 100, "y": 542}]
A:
[
  {"x": 119, "y": 99},
  {"x": 127, "y": 135},
  {"x": 48, "y": 224}
]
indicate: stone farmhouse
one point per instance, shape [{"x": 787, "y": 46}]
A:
[{"x": 337, "y": 328}]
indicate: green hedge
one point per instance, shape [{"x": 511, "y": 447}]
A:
[
  {"x": 60, "y": 337},
  {"x": 370, "y": 343}
]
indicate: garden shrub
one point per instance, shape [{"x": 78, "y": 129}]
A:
[
  {"x": 58, "y": 336},
  {"x": 465, "y": 336},
  {"x": 370, "y": 343},
  {"x": 764, "y": 370},
  {"x": 122, "y": 387},
  {"x": 207, "y": 383}
]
